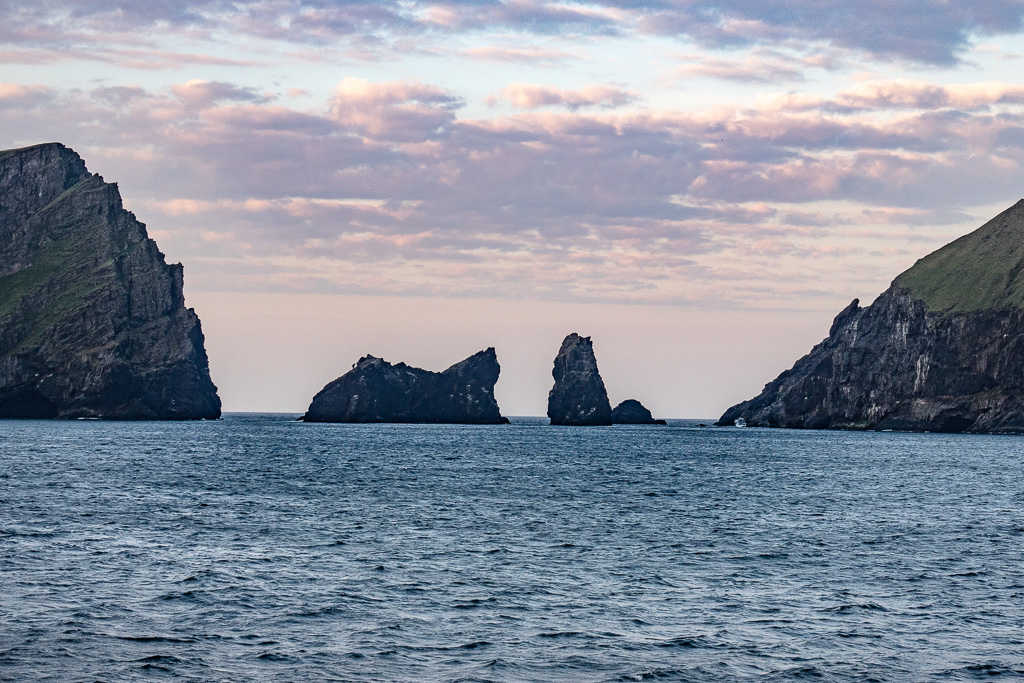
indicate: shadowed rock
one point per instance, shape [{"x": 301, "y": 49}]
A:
[
  {"x": 578, "y": 396},
  {"x": 632, "y": 412},
  {"x": 941, "y": 350},
  {"x": 93, "y": 321},
  {"x": 377, "y": 391}
]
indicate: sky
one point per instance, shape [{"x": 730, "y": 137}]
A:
[{"x": 699, "y": 186}]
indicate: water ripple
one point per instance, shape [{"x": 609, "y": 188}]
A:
[{"x": 257, "y": 548}]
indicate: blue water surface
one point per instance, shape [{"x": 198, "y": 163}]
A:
[{"x": 260, "y": 548}]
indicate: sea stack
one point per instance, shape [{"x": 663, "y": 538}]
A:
[
  {"x": 377, "y": 391},
  {"x": 941, "y": 350},
  {"x": 633, "y": 412},
  {"x": 93, "y": 321},
  {"x": 578, "y": 397}
]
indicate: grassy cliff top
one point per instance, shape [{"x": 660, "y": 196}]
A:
[{"x": 980, "y": 271}]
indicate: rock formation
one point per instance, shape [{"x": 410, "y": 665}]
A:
[
  {"x": 579, "y": 396},
  {"x": 377, "y": 391},
  {"x": 632, "y": 412},
  {"x": 92, "y": 320},
  {"x": 941, "y": 350}
]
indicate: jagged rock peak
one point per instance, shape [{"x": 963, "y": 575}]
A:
[
  {"x": 632, "y": 412},
  {"x": 92, "y": 319},
  {"x": 941, "y": 350},
  {"x": 374, "y": 390},
  {"x": 578, "y": 396}
]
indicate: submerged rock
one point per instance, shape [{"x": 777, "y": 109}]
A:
[
  {"x": 93, "y": 321},
  {"x": 578, "y": 396},
  {"x": 941, "y": 350},
  {"x": 632, "y": 412},
  {"x": 377, "y": 391}
]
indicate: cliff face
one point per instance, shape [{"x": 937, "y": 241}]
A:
[
  {"x": 578, "y": 396},
  {"x": 92, "y": 320},
  {"x": 377, "y": 391},
  {"x": 941, "y": 350}
]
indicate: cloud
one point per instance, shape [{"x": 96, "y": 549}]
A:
[
  {"x": 200, "y": 93},
  {"x": 933, "y": 32},
  {"x": 926, "y": 31},
  {"x": 15, "y": 95},
  {"x": 529, "y": 96},
  {"x": 909, "y": 94},
  {"x": 394, "y": 110},
  {"x": 141, "y": 59},
  {"x": 519, "y": 54},
  {"x": 387, "y": 188},
  {"x": 754, "y": 68}
]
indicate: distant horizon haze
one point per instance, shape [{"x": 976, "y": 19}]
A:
[{"x": 273, "y": 352}]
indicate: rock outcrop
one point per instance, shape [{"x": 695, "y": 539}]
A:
[
  {"x": 92, "y": 320},
  {"x": 632, "y": 412},
  {"x": 578, "y": 396},
  {"x": 377, "y": 391},
  {"x": 941, "y": 350}
]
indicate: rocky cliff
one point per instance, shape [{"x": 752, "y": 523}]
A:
[
  {"x": 941, "y": 350},
  {"x": 92, "y": 320},
  {"x": 578, "y": 396},
  {"x": 377, "y": 391},
  {"x": 633, "y": 412}
]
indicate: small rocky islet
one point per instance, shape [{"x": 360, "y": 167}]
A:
[
  {"x": 633, "y": 412},
  {"x": 374, "y": 390},
  {"x": 578, "y": 397}
]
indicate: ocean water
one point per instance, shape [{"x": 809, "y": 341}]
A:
[{"x": 259, "y": 548}]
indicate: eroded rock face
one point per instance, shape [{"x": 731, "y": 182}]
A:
[
  {"x": 92, "y": 320},
  {"x": 941, "y": 350},
  {"x": 377, "y": 391},
  {"x": 632, "y": 412},
  {"x": 578, "y": 396}
]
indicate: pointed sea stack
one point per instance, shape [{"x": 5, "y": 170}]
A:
[
  {"x": 633, "y": 412},
  {"x": 941, "y": 350},
  {"x": 377, "y": 391},
  {"x": 578, "y": 397},
  {"x": 92, "y": 320}
]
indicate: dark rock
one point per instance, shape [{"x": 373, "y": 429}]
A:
[
  {"x": 632, "y": 412},
  {"x": 941, "y": 350},
  {"x": 579, "y": 396},
  {"x": 377, "y": 391},
  {"x": 92, "y": 320}
]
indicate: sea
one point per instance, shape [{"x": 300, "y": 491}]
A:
[{"x": 258, "y": 548}]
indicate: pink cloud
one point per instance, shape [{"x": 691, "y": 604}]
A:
[
  {"x": 529, "y": 96},
  {"x": 201, "y": 93},
  {"x": 387, "y": 178},
  {"x": 393, "y": 110},
  {"x": 925, "y": 31},
  {"x": 519, "y": 54},
  {"x": 751, "y": 69},
  {"x": 908, "y": 94},
  {"x": 13, "y": 94}
]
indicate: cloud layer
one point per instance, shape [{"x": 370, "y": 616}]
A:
[
  {"x": 387, "y": 188},
  {"x": 925, "y": 31}
]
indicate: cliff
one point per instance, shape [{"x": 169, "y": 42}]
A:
[
  {"x": 941, "y": 350},
  {"x": 377, "y": 391},
  {"x": 633, "y": 412},
  {"x": 578, "y": 396},
  {"x": 92, "y": 320}
]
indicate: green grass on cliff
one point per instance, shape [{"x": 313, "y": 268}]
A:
[
  {"x": 983, "y": 270},
  {"x": 64, "y": 274}
]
